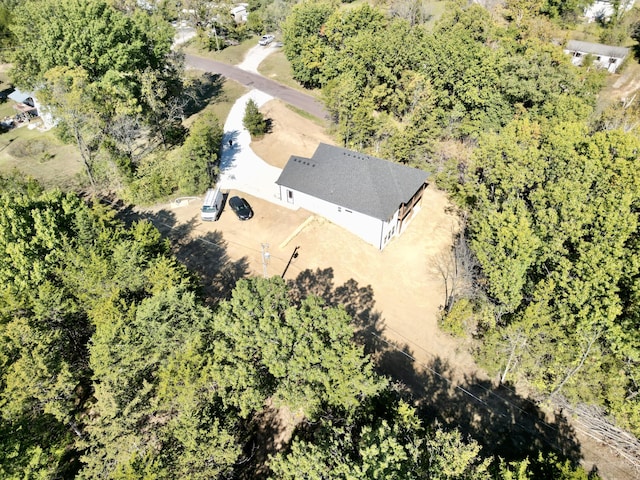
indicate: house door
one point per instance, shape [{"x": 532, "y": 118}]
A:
[{"x": 289, "y": 196}]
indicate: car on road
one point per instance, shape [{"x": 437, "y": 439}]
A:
[
  {"x": 266, "y": 39},
  {"x": 241, "y": 208}
]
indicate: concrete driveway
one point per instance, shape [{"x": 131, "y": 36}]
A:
[{"x": 240, "y": 168}]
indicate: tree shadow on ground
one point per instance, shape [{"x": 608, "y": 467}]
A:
[
  {"x": 205, "y": 256},
  {"x": 200, "y": 92},
  {"x": 503, "y": 422},
  {"x": 265, "y": 430}
]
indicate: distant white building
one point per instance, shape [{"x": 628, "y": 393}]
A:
[
  {"x": 239, "y": 13},
  {"x": 604, "y": 56},
  {"x": 28, "y": 106},
  {"x": 603, "y": 10}
]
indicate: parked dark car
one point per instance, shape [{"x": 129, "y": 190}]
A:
[{"x": 241, "y": 208}]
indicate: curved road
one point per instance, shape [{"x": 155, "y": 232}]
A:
[{"x": 293, "y": 97}]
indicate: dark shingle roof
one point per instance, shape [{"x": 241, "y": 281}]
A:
[
  {"x": 596, "y": 49},
  {"x": 353, "y": 180}
]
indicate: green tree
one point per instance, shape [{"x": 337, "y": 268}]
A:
[
  {"x": 554, "y": 223},
  {"x": 151, "y": 391},
  {"x": 200, "y": 155},
  {"x": 303, "y": 355},
  {"x": 254, "y": 120},
  {"x": 303, "y": 46},
  {"x": 71, "y": 96},
  {"x": 397, "y": 447},
  {"x": 96, "y": 65},
  {"x": 111, "y": 46}
]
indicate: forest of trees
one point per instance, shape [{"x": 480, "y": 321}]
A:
[
  {"x": 114, "y": 364},
  {"x": 547, "y": 185}
]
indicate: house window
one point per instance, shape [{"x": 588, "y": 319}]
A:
[
  {"x": 348, "y": 211},
  {"x": 339, "y": 209},
  {"x": 613, "y": 60},
  {"x": 289, "y": 196}
]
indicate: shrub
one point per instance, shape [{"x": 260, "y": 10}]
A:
[{"x": 253, "y": 120}]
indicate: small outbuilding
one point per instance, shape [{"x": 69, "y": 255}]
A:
[
  {"x": 604, "y": 56},
  {"x": 25, "y": 105},
  {"x": 239, "y": 13},
  {"x": 373, "y": 198},
  {"x": 28, "y": 107}
]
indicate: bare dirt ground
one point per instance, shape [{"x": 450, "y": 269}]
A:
[
  {"x": 395, "y": 296},
  {"x": 290, "y": 134}
]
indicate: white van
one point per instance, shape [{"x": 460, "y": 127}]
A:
[{"x": 212, "y": 205}]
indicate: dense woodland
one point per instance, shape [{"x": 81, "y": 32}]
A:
[
  {"x": 114, "y": 363},
  {"x": 549, "y": 190}
]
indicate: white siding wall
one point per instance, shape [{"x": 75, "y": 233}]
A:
[
  {"x": 390, "y": 229},
  {"x": 370, "y": 229},
  {"x": 601, "y": 61}
]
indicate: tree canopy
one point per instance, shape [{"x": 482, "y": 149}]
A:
[
  {"x": 389, "y": 83},
  {"x": 554, "y": 224},
  {"x": 99, "y": 69}
]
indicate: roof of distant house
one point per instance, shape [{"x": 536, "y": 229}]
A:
[
  {"x": 19, "y": 96},
  {"x": 597, "y": 49},
  {"x": 352, "y": 180}
]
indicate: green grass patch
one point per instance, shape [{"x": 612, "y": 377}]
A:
[
  {"x": 435, "y": 10},
  {"x": 231, "y": 55},
  {"x": 277, "y": 68},
  {"x": 40, "y": 155},
  {"x": 231, "y": 91},
  {"x": 307, "y": 115},
  {"x": 218, "y": 99},
  {"x": 6, "y": 108}
]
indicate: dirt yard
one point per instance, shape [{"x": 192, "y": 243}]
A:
[
  {"x": 290, "y": 134},
  {"x": 406, "y": 288}
]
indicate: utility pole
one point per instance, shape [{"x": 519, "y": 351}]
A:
[
  {"x": 265, "y": 258},
  {"x": 293, "y": 255}
]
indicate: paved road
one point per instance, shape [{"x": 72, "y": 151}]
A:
[{"x": 293, "y": 97}]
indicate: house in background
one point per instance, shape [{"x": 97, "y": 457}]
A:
[
  {"x": 604, "y": 10},
  {"x": 373, "y": 198},
  {"x": 604, "y": 56},
  {"x": 239, "y": 13},
  {"x": 28, "y": 107}
]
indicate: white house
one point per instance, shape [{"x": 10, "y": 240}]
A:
[
  {"x": 604, "y": 56},
  {"x": 373, "y": 198},
  {"x": 603, "y": 10},
  {"x": 28, "y": 106},
  {"x": 239, "y": 13}
]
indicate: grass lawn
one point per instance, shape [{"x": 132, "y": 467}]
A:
[
  {"x": 34, "y": 153},
  {"x": 221, "y": 106},
  {"x": 40, "y": 155},
  {"x": 231, "y": 55},
  {"x": 277, "y": 68},
  {"x": 218, "y": 98}
]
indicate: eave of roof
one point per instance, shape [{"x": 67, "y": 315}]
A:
[
  {"x": 597, "y": 49},
  {"x": 19, "y": 96}
]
